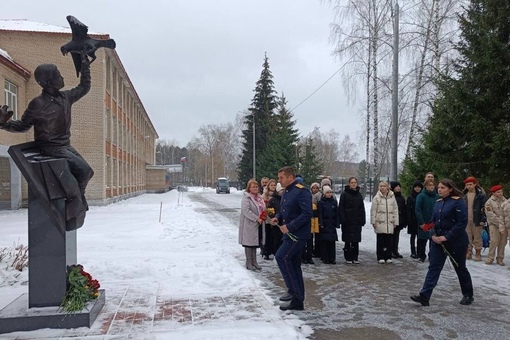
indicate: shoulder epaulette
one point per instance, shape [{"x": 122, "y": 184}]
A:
[
  {"x": 299, "y": 186},
  {"x": 455, "y": 197}
]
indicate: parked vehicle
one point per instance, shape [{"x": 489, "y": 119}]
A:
[{"x": 222, "y": 185}]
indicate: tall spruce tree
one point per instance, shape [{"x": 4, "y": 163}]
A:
[
  {"x": 282, "y": 147},
  {"x": 262, "y": 111},
  {"x": 310, "y": 167},
  {"x": 468, "y": 133}
]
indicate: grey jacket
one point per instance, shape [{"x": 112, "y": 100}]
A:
[{"x": 248, "y": 225}]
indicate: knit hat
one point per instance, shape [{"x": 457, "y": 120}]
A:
[
  {"x": 278, "y": 187},
  {"x": 496, "y": 188},
  {"x": 326, "y": 189},
  {"x": 470, "y": 179},
  {"x": 394, "y": 184},
  {"x": 325, "y": 181},
  {"x": 315, "y": 184},
  {"x": 417, "y": 184}
]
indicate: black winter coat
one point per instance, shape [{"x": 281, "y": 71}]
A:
[
  {"x": 274, "y": 202},
  {"x": 351, "y": 214},
  {"x": 412, "y": 221},
  {"x": 402, "y": 210},
  {"x": 328, "y": 219}
]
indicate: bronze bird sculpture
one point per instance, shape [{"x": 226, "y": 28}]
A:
[{"x": 82, "y": 43}]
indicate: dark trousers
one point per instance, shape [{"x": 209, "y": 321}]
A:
[
  {"x": 267, "y": 248},
  {"x": 277, "y": 238},
  {"x": 396, "y": 239},
  {"x": 328, "y": 251},
  {"x": 308, "y": 249},
  {"x": 351, "y": 251},
  {"x": 384, "y": 246},
  {"x": 412, "y": 241},
  {"x": 437, "y": 260},
  {"x": 422, "y": 245},
  {"x": 288, "y": 258},
  {"x": 80, "y": 169}
]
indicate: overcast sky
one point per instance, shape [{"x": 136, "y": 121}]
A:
[{"x": 196, "y": 62}]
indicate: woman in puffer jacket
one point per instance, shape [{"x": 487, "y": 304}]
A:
[{"x": 384, "y": 218}]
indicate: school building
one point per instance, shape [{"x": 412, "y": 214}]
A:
[{"x": 110, "y": 127}]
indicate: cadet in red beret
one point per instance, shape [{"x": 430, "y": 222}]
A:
[
  {"x": 494, "y": 208},
  {"x": 475, "y": 200}
]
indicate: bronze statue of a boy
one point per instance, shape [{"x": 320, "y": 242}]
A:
[{"x": 50, "y": 115}]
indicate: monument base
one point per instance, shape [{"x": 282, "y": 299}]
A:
[{"x": 17, "y": 317}]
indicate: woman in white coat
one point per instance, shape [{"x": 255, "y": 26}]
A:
[
  {"x": 384, "y": 218},
  {"x": 250, "y": 229}
]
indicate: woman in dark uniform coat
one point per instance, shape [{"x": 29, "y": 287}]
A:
[
  {"x": 449, "y": 239},
  {"x": 352, "y": 217}
]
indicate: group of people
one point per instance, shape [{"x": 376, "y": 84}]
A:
[
  {"x": 295, "y": 224},
  {"x": 287, "y": 220}
]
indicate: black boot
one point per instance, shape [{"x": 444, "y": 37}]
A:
[
  {"x": 421, "y": 299},
  {"x": 295, "y": 304}
]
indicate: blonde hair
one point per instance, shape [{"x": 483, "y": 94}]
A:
[
  {"x": 250, "y": 182},
  {"x": 384, "y": 183}
]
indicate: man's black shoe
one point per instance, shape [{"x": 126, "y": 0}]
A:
[
  {"x": 420, "y": 299},
  {"x": 310, "y": 261},
  {"x": 287, "y": 297},
  {"x": 266, "y": 257},
  {"x": 466, "y": 300},
  {"x": 293, "y": 305}
]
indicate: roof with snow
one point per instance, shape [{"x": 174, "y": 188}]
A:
[
  {"x": 32, "y": 26},
  {"x": 7, "y": 60},
  {"x": 4, "y": 54}
]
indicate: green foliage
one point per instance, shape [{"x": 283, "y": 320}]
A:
[
  {"x": 261, "y": 113},
  {"x": 281, "y": 149},
  {"x": 310, "y": 168},
  {"x": 275, "y": 135},
  {"x": 468, "y": 132}
]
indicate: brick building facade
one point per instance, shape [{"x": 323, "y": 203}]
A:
[{"x": 110, "y": 126}]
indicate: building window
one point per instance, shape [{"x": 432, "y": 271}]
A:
[
  {"x": 108, "y": 75},
  {"x": 11, "y": 98}
]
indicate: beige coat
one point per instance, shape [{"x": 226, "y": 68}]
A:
[
  {"x": 248, "y": 225},
  {"x": 506, "y": 213},
  {"x": 384, "y": 213},
  {"x": 494, "y": 212}
]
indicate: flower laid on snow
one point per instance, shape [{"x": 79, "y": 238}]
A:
[{"x": 82, "y": 288}]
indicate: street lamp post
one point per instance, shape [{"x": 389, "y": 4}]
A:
[{"x": 254, "y": 171}]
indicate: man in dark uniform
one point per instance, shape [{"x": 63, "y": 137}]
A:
[{"x": 294, "y": 219}]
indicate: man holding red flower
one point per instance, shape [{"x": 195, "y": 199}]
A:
[{"x": 294, "y": 218}]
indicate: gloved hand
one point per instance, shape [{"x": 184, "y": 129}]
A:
[
  {"x": 5, "y": 114},
  {"x": 84, "y": 59}
]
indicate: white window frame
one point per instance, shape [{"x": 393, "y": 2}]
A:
[{"x": 11, "y": 97}]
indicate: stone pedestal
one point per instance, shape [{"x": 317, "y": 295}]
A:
[
  {"x": 16, "y": 317},
  {"x": 50, "y": 247}
]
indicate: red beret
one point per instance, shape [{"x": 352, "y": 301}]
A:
[
  {"x": 496, "y": 188},
  {"x": 470, "y": 179}
]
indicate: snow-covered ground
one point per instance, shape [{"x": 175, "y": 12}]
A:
[
  {"x": 192, "y": 264},
  {"x": 183, "y": 257}
]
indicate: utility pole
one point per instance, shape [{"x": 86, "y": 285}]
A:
[
  {"x": 394, "y": 99},
  {"x": 254, "y": 171}
]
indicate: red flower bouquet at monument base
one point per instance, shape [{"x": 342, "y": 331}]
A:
[{"x": 82, "y": 288}]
